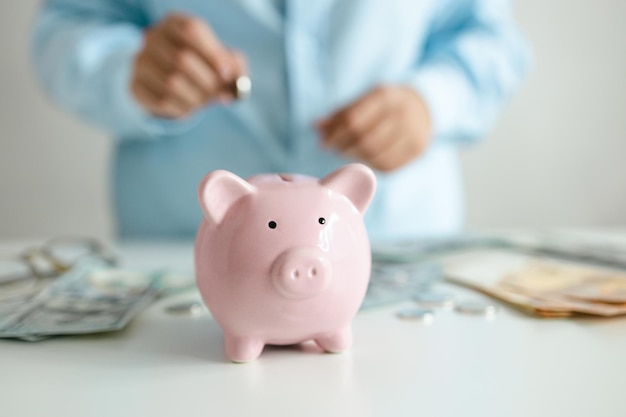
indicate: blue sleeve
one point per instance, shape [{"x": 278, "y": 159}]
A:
[
  {"x": 83, "y": 52},
  {"x": 475, "y": 57}
]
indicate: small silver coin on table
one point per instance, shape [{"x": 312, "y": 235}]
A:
[
  {"x": 434, "y": 299},
  {"x": 477, "y": 308},
  {"x": 416, "y": 314},
  {"x": 242, "y": 87},
  {"x": 186, "y": 308}
]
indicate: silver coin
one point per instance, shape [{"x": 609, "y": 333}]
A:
[
  {"x": 242, "y": 87},
  {"x": 417, "y": 314},
  {"x": 477, "y": 308},
  {"x": 187, "y": 308},
  {"x": 435, "y": 299}
]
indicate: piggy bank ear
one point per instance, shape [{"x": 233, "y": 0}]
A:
[
  {"x": 217, "y": 193},
  {"x": 355, "y": 181}
]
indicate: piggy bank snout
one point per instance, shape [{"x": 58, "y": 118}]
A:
[{"x": 301, "y": 273}]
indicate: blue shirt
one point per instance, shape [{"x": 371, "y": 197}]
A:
[{"x": 306, "y": 60}]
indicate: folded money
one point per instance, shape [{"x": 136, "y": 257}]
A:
[
  {"x": 89, "y": 298},
  {"x": 542, "y": 286}
]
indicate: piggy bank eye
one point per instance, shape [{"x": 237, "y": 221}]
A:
[
  {"x": 272, "y": 224},
  {"x": 321, "y": 220}
]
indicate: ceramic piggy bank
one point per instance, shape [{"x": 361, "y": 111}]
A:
[{"x": 282, "y": 259}]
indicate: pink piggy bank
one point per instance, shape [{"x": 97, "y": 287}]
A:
[{"x": 282, "y": 259}]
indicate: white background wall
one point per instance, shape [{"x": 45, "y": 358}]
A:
[{"x": 556, "y": 158}]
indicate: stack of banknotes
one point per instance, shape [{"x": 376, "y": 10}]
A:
[
  {"x": 543, "y": 286},
  {"x": 91, "y": 297}
]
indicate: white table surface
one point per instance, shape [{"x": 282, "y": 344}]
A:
[{"x": 513, "y": 365}]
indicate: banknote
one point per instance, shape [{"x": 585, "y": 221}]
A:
[
  {"x": 583, "y": 289},
  {"x": 542, "y": 286},
  {"x": 79, "y": 302},
  {"x": 574, "y": 282},
  {"x": 524, "y": 302},
  {"x": 606, "y": 290},
  {"x": 392, "y": 283}
]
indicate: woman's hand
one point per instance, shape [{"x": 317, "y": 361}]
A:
[
  {"x": 183, "y": 67},
  {"x": 386, "y": 128}
]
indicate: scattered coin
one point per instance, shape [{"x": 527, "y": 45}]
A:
[
  {"x": 477, "y": 308},
  {"x": 417, "y": 314},
  {"x": 435, "y": 299},
  {"x": 187, "y": 308}
]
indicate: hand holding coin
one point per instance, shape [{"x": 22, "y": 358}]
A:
[{"x": 183, "y": 67}]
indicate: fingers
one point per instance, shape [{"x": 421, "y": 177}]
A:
[
  {"x": 183, "y": 66},
  {"x": 398, "y": 152},
  {"x": 385, "y": 129},
  {"x": 154, "y": 104},
  {"x": 348, "y": 126},
  {"x": 174, "y": 60},
  {"x": 241, "y": 64},
  {"x": 171, "y": 88},
  {"x": 195, "y": 34},
  {"x": 375, "y": 141}
]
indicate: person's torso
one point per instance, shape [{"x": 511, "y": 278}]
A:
[{"x": 306, "y": 59}]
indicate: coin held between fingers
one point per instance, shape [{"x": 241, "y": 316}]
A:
[{"x": 241, "y": 87}]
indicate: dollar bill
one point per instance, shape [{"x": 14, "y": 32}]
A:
[
  {"x": 392, "y": 283},
  {"x": 80, "y": 302}
]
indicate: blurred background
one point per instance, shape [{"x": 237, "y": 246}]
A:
[{"x": 557, "y": 157}]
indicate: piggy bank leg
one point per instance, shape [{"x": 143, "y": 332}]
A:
[
  {"x": 242, "y": 349},
  {"x": 336, "y": 342}
]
